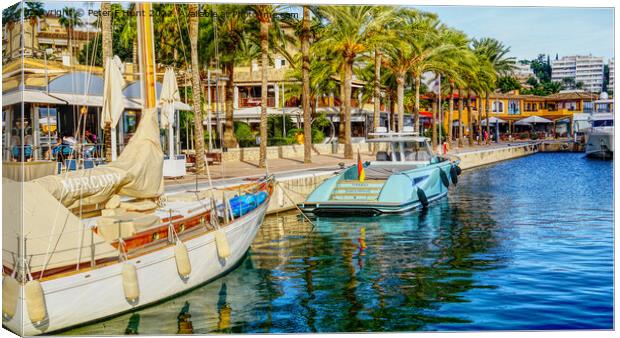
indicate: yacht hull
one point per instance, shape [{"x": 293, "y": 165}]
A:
[
  {"x": 600, "y": 144},
  {"x": 98, "y": 293},
  {"x": 398, "y": 193}
]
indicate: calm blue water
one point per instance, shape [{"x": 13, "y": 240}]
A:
[{"x": 525, "y": 244}]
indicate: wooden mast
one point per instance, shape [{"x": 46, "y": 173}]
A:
[{"x": 146, "y": 52}]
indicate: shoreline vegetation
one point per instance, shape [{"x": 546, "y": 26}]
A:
[{"x": 386, "y": 50}]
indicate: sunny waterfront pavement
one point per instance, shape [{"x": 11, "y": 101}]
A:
[
  {"x": 230, "y": 172},
  {"x": 234, "y": 172}
]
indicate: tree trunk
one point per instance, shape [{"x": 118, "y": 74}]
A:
[
  {"x": 469, "y": 119},
  {"x": 478, "y": 120},
  {"x": 348, "y": 75},
  {"x": 342, "y": 110},
  {"x": 434, "y": 126},
  {"x": 229, "y": 133},
  {"x": 488, "y": 108},
  {"x": 450, "y": 111},
  {"x": 416, "y": 110},
  {"x": 305, "y": 75},
  {"x": 199, "y": 139},
  {"x": 264, "y": 49},
  {"x": 400, "y": 98},
  {"x": 106, "y": 52},
  {"x": 461, "y": 140},
  {"x": 376, "y": 117}
]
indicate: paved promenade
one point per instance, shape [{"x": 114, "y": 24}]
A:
[{"x": 231, "y": 172}]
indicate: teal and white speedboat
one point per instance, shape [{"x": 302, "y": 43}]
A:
[{"x": 405, "y": 176}]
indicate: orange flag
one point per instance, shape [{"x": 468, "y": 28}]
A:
[{"x": 360, "y": 168}]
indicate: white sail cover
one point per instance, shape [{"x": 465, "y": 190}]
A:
[
  {"x": 138, "y": 172},
  {"x": 169, "y": 95},
  {"x": 52, "y": 234},
  {"x": 113, "y": 100}
]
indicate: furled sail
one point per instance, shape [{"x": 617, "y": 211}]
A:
[
  {"x": 138, "y": 172},
  {"x": 54, "y": 236}
]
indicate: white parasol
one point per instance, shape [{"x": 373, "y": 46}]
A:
[{"x": 113, "y": 99}]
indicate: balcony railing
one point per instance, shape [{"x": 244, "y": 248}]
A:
[{"x": 247, "y": 102}]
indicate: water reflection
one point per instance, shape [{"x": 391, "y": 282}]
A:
[{"x": 507, "y": 250}]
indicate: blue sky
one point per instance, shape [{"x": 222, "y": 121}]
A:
[{"x": 530, "y": 31}]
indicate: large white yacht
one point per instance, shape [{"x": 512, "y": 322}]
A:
[{"x": 600, "y": 137}]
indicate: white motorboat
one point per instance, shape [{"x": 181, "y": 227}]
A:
[{"x": 600, "y": 136}]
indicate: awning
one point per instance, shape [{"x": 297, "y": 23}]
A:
[
  {"x": 80, "y": 100},
  {"x": 492, "y": 120},
  {"x": 532, "y": 120},
  {"x": 29, "y": 96}
]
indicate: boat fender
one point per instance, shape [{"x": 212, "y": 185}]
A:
[
  {"x": 35, "y": 301},
  {"x": 422, "y": 198},
  {"x": 444, "y": 178},
  {"x": 454, "y": 175},
  {"x": 10, "y": 292},
  {"x": 458, "y": 170},
  {"x": 130, "y": 282},
  {"x": 221, "y": 242},
  {"x": 184, "y": 266}
]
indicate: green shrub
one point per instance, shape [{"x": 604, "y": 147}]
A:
[{"x": 243, "y": 131}]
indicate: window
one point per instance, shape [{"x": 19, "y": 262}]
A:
[
  {"x": 603, "y": 123},
  {"x": 498, "y": 106}
]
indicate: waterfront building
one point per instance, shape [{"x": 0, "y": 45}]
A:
[
  {"x": 523, "y": 72},
  {"x": 45, "y": 35},
  {"x": 585, "y": 69}
]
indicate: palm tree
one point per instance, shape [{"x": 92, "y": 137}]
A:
[
  {"x": 429, "y": 50},
  {"x": 305, "y": 78},
  {"x": 264, "y": 14},
  {"x": 347, "y": 34},
  {"x": 196, "y": 90},
  {"x": 11, "y": 16},
  {"x": 129, "y": 34},
  {"x": 32, "y": 13},
  {"x": 70, "y": 19},
  {"x": 398, "y": 61},
  {"x": 496, "y": 54},
  {"x": 232, "y": 28},
  {"x": 455, "y": 63}
]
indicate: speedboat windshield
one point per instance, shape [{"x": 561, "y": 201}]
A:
[{"x": 406, "y": 151}]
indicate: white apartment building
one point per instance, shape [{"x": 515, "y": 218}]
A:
[
  {"x": 586, "y": 69},
  {"x": 610, "y": 64},
  {"x": 522, "y": 71}
]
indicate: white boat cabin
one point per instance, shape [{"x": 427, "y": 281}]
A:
[{"x": 402, "y": 148}]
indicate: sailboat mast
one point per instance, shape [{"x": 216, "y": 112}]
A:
[{"x": 146, "y": 53}]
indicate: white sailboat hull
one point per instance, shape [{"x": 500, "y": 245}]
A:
[{"x": 98, "y": 293}]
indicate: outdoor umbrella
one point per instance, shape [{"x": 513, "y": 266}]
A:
[
  {"x": 169, "y": 95},
  {"x": 113, "y": 99},
  {"x": 532, "y": 120},
  {"x": 492, "y": 120}
]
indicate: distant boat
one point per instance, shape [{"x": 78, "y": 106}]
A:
[
  {"x": 405, "y": 176},
  {"x": 600, "y": 137}
]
